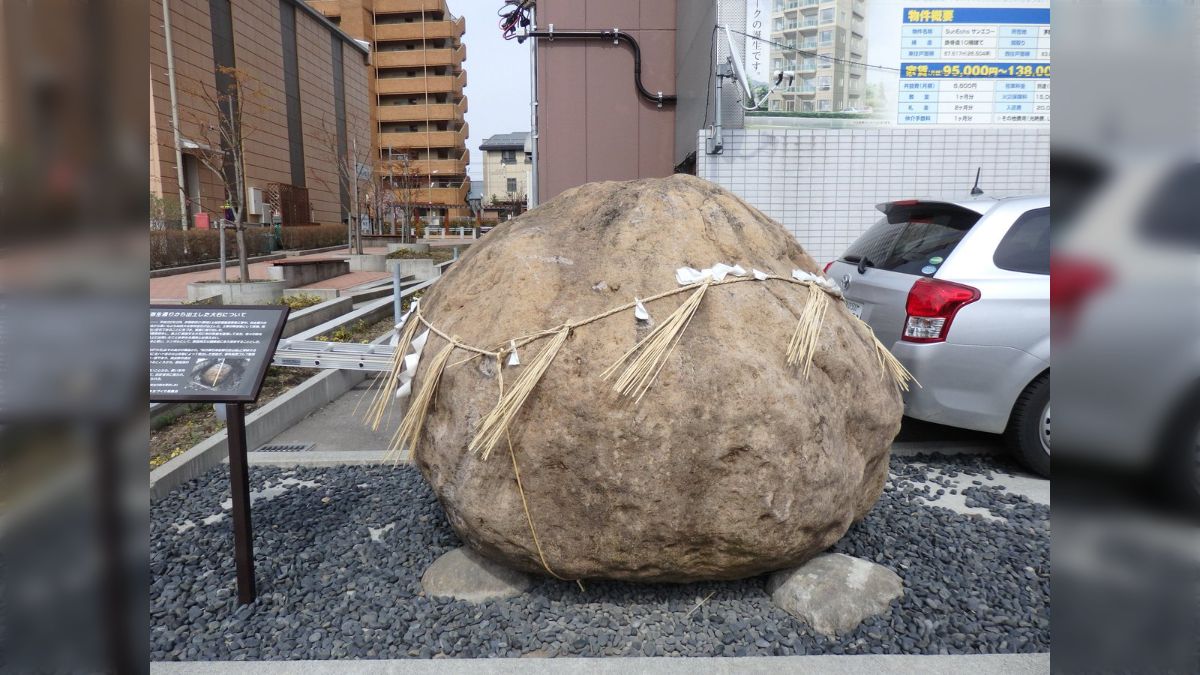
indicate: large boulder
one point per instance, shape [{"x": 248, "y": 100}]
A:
[{"x": 731, "y": 465}]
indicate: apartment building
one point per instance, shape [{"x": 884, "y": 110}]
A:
[
  {"x": 824, "y": 42},
  {"x": 304, "y": 107},
  {"x": 507, "y": 164},
  {"x": 416, "y": 86}
]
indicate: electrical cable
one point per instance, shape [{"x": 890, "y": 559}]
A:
[
  {"x": 806, "y": 52},
  {"x": 514, "y": 14},
  {"x": 712, "y": 62},
  {"x": 615, "y": 35}
]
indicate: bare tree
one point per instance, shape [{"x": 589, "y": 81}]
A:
[
  {"x": 221, "y": 144},
  {"x": 356, "y": 172},
  {"x": 406, "y": 184}
]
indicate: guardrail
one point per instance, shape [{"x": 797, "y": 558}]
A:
[{"x": 451, "y": 232}]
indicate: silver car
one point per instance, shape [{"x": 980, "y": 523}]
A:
[{"x": 960, "y": 290}]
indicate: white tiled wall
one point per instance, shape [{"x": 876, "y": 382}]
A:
[{"x": 823, "y": 184}]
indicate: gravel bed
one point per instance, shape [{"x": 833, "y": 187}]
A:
[{"x": 340, "y": 553}]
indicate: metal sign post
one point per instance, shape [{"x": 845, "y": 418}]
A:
[
  {"x": 239, "y": 487},
  {"x": 219, "y": 354}
]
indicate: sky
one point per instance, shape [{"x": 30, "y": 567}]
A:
[{"x": 497, "y": 78}]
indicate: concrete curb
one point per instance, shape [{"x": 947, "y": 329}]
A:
[
  {"x": 987, "y": 664},
  {"x": 301, "y": 320},
  {"x": 316, "y": 458}
]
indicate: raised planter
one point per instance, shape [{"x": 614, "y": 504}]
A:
[
  {"x": 369, "y": 262},
  {"x": 254, "y": 292},
  {"x": 418, "y": 248},
  {"x": 420, "y": 269}
]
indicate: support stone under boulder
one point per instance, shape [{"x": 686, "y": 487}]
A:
[
  {"x": 833, "y": 593},
  {"x": 463, "y": 575}
]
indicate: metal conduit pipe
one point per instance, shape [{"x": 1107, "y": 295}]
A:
[{"x": 616, "y": 36}]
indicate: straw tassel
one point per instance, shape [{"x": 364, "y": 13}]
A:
[
  {"x": 495, "y": 425},
  {"x": 803, "y": 346},
  {"x": 891, "y": 366},
  {"x": 409, "y": 433},
  {"x": 383, "y": 396},
  {"x": 653, "y": 350}
]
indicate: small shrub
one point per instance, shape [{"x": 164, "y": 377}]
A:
[
  {"x": 313, "y": 236},
  {"x": 345, "y": 333},
  {"x": 302, "y": 300},
  {"x": 173, "y": 248}
]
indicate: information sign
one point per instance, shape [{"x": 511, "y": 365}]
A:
[{"x": 218, "y": 353}]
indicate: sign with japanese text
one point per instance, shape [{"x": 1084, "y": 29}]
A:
[
  {"x": 217, "y": 353},
  {"x": 882, "y": 63},
  {"x": 974, "y": 65}
]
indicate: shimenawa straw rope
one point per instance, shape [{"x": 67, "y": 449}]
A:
[
  {"x": 653, "y": 350},
  {"x": 804, "y": 341},
  {"x": 409, "y": 431},
  {"x": 495, "y": 424},
  {"x": 640, "y": 373}
]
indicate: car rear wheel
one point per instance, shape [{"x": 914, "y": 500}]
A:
[
  {"x": 1180, "y": 453},
  {"x": 1028, "y": 433}
]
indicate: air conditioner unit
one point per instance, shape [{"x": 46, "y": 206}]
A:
[{"x": 254, "y": 202}]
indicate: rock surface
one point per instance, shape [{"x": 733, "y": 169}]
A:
[
  {"x": 463, "y": 575},
  {"x": 833, "y": 592},
  {"x": 733, "y": 464}
]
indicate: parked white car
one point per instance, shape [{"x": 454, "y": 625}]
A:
[
  {"x": 960, "y": 291},
  {"x": 1127, "y": 319}
]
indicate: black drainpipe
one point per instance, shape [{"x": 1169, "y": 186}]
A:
[{"x": 616, "y": 36}]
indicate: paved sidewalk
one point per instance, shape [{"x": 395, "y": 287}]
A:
[
  {"x": 174, "y": 288},
  {"x": 991, "y": 664}
]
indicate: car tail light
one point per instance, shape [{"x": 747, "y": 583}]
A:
[
  {"x": 931, "y": 306},
  {"x": 1072, "y": 282},
  {"x": 827, "y": 266}
]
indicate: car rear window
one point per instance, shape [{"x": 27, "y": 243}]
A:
[
  {"x": 913, "y": 238},
  {"x": 1026, "y": 245}
]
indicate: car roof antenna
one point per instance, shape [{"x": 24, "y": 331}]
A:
[{"x": 975, "y": 191}]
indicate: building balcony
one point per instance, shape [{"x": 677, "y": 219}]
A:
[
  {"x": 327, "y": 7},
  {"x": 434, "y": 84},
  {"x": 423, "y": 139},
  {"x": 419, "y": 30},
  {"x": 428, "y": 167},
  {"x": 799, "y": 90},
  {"x": 409, "y": 6},
  {"x": 443, "y": 196},
  {"x": 421, "y": 112},
  {"x": 409, "y": 58}
]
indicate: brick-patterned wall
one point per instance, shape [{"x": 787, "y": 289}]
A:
[
  {"x": 258, "y": 52},
  {"x": 823, "y": 184}
]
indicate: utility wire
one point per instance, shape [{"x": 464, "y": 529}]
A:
[
  {"x": 712, "y": 59},
  {"x": 514, "y": 14},
  {"x": 805, "y": 52}
]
